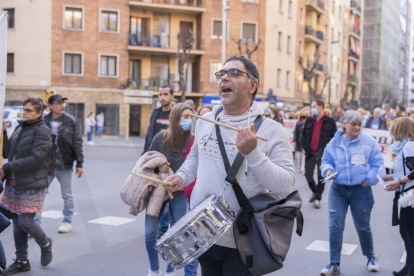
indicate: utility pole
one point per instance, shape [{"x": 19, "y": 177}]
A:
[{"x": 224, "y": 32}]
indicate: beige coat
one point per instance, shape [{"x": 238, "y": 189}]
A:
[{"x": 140, "y": 193}]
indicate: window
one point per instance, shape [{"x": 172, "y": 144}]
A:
[
  {"x": 302, "y": 16},
  {"x": 300, "y": 52},
  {"x": 139, "y": 31},
  {"x": 215, "y": 66},
  {"x": 217, "y": 29},
  {"x": 249, "y": 32},
  {"x": 288, "y": 80},
  {"x": 10, "y": 63},
  {"x": 340, "y": 13},
  {"x": 289, "y": 45},
  {"x": 339, "y": 37},
  {"x": 72, "y": 64},
  {"x": 73, "y": 18},
  {"x": 109, "y": 21},
  {"x": 332, "y": 35},
  {"x": 337, "y": 91},
  {"x": 279, "y": 77},
  {"x": 333, "y": 8},
  {"x": 280, "y": 41},
  {"x": 290, "y": 9},
  {"x": 108, "y": 66},
  {"x": 338, "y": 65},
  {"x": 10, "y": 18},
  {"x": 281, "y": 5}
]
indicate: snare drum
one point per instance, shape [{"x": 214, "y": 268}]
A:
[{"x": 196, "y": 232}]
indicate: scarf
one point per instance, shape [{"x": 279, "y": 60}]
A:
[{"x": 397, "y": 146}]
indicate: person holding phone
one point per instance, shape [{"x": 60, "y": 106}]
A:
[{"x": 356, "y": 158}]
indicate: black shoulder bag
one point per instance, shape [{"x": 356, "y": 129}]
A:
[{"x": 267, "y": 213}]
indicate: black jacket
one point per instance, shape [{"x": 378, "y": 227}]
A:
[
  {"x": 27, "y": 150},
  {"x": 70, "y": 141},
  {"x": 150, "y": 132},
  {"x": 328, "y": 130},
  {"x": 298, "y": 136},
  {"x": 381, "y": 123}
]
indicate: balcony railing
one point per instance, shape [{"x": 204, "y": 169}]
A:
[
  {"x": 317, "y": 5},
  {"x": 353, "y": 55},
  {"x": 356, "y": 5},
  {"x": 352, "y": 79},
  {"x": 161, "y": 41},
  {"x": 352, "y": 30},
  {"x": 187, "y": 3},
  {"x": 151, "y": 84},
  {"x": 315, "y": 34}
]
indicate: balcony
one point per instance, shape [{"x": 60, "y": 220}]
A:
[
  {"x": 352, "y": 80},
  {"x": 356, "y": 7},
  {"x": 151, "y": 84},
  {"x": 181, "y": 6},
  {"x": 317, "y": 6},
  {"x": 353, "y": 56},
  {"x": 166, "y": 44},
  {"x": 354, "y": 33},
  {"x": 313, "y": 36}
]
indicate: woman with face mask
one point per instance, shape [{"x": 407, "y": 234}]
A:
[{"x": 173, "y": 143}]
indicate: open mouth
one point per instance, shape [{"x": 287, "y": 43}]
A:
[{"x": 226, "y": 90}]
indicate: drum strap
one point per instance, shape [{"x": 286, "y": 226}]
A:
[{"x": 242, "y": 220}]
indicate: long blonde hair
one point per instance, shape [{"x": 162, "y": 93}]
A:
[{"x": 175, "y": 138}]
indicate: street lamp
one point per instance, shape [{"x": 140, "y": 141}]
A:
[{"x": 224, "y": 32}]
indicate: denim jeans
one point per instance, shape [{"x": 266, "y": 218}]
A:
[
  {"x": 90, "y": 133},
  {"x": 361, "y": 201},
  {"x": 99, "y": 130},
  {"x": 310, "y": 162},
  {"x": 222, "y": 261},
  {"x": 164, "y": 220},
  {"x": 178, "y": 208},
  {"x": 24, "y": 224},
  {"x": 407, "y": 233},
  {"x": 65, "y": 179}
]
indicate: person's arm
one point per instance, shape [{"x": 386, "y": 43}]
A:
[
  {"x": 328, "y": 163},
  {"x": 334, "y": 129},
  {"x": 275, "y": 163},
  {"x": 42, "y": 144},
  {"x": 375, "y": 162},
  {"x": 148, "y": 136},
  {"x": 78, "y": 145},
  {"x": 6, "y": 144}
]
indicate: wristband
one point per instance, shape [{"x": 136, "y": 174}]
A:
[{"x": 400, "y": 181}]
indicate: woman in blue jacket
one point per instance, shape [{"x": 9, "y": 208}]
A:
[{"x": 356, "y": 158}]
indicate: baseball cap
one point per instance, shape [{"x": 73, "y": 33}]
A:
[{"x": 56, "y": 97}]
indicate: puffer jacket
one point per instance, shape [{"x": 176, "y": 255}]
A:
[
  {"x": 357, "y": 163},
  {"x": 140, "y": 193},
  {"x": 27, "y": 150}
]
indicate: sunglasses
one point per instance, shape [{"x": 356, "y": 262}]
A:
[{"x": 232, "y": 73}]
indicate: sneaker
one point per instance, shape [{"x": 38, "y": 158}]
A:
[
  {"x": 91, "y": 143},
  {"x": 372, "y": 264},
  {"x": 46, "y": 253},
  {"x": 312, "y": 198},
  {"x": 317, "y": 204},
  {"x": 154, "y": 273},
  {"x": 16, "y": 267},
  {"x": 331, "y": 269},
  {"x": 65, "y": 228}
]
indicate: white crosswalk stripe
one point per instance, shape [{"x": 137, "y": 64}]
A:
[
  {"x": 53, "y": 214},
  {"x": 112, "y": 221},
  {"x": 323, "y": 246}
]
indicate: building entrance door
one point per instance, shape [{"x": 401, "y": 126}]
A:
[{"x": 134, "y": 120}]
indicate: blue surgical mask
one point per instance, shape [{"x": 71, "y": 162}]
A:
[
  {"x": 314, "y": 111},
  {"x": 186, "y": 124}
]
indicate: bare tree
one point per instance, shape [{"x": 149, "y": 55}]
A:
[
  {"x": 312, "y": 78},
  {"x": 183, "y": 53},
  {"x": 247, "y": 44}
]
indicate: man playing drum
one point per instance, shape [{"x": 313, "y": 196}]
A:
[{"x": 267, "y": 165}]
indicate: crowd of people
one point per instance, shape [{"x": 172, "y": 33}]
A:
[{"x": 183, "y": 152}]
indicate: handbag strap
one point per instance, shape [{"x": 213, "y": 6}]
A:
[{"x": 246, "y": 208}]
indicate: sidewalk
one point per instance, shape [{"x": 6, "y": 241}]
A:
[{"x": 115, "y": 141}]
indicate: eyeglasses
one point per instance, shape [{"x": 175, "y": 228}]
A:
[
  {"x": 26, "y": 110},
  {"x": 231, "y": 73},
  {"x": 354, "y": 124}
]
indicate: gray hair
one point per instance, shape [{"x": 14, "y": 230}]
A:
[
  {"x": 352, "y": 116},
  {"x": 377, "y": 109},
  {"x": 190, "y": 103}
]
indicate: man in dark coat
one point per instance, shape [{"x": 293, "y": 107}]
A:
[{"x": 318, "y": 131}]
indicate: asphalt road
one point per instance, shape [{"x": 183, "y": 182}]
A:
[{"x": 97, "y": 249}]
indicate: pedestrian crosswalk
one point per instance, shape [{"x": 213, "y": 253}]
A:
[
  {"x": 323, "y": 246},
  {"x": 112, "y": 221},
  {"x": 53, "y": 214}
]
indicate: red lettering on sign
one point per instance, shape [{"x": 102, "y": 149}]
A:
[
  {"x": 384, "y": 149},
  {"x": 289, "y": 124}
]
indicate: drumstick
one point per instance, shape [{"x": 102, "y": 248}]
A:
[
  {"x": 150, "y": 178},
  {"x": 226, "y": 126}
]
